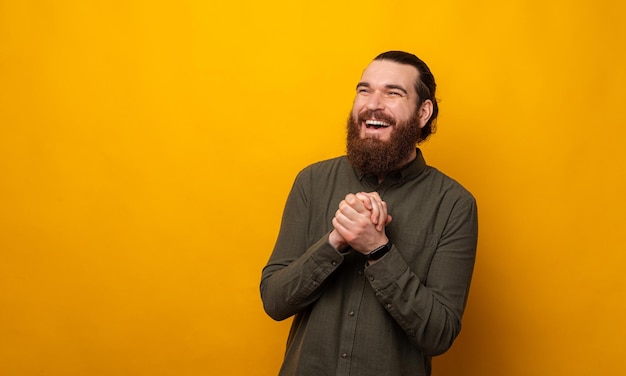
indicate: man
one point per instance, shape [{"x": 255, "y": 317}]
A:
[{"x": 376, "y": 249}]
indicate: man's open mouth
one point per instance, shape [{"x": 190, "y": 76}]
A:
[{"x": 376, "y": 124}]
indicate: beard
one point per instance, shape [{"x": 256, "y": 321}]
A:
[{"x": 374, "y": 156}]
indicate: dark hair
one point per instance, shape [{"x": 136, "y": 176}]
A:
[{"x": 425, "y": 85}]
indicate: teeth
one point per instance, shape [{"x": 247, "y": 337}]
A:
[{"x": 376, "y": 123}]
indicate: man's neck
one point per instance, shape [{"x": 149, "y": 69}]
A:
[{"x": 406, "y": 161}]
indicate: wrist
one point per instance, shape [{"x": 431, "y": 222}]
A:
[
  {"x": 336, "y": 241},
  {"x": 378, "y": 252}
]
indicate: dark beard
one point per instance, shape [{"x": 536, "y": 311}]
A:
[{"x": 374, "y": 156}]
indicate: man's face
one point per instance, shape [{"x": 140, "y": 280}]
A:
[
  {"x": 384, "y": 124},
  {"x": 385, "y": 97}
]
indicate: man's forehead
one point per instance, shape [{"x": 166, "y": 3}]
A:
[{"x": 386, "y": 72}]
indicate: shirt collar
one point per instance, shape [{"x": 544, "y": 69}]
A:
[{"x": 409, "y": 172}]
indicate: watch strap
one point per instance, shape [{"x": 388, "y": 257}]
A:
[{"x": 378, "y": 252}]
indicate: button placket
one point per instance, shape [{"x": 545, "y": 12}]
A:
[{"x": 351, "y": 307}]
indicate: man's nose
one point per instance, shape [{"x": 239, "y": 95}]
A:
[{"x": 375, "y": 101}]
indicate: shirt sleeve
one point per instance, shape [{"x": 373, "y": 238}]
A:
[
  {"x": 430, "y": 311},
  {"x": 295, "y": 274}
]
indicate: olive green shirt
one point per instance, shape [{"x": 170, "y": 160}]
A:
[{"x": 389, "y": 318}]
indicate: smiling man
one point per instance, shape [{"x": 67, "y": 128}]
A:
[
  {"x": 376, "y": 249},
  {"x": 386, "y": 123}
]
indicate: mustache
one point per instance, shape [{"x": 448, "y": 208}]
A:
[{"x": 376, "y": 115}]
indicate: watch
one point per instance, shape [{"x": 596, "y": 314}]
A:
[{"x": 378, "y": 252}]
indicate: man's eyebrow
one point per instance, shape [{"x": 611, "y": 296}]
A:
[
  {"x": 389, "y": 86},
  {"x": 397, "y": 87}
]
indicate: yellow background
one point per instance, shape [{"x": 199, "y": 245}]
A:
[{"x": 147, "y": 148}]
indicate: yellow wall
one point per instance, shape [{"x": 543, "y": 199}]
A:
[{"x": 147, "y": 147}]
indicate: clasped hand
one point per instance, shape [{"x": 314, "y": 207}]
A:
[{"x": 360, "y": 222}]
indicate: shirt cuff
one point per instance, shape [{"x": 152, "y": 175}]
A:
[{"x": 387, "y": 270}]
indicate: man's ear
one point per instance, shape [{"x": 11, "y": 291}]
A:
[{"x": 425, "y": 112}]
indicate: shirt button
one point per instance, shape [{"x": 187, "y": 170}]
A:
[
  {"x": 371, "y": 278},
  {"x": 344, "y": 355},
  {"x": 334, "y": 263},
  {"x": 351, "y": 313},
  {"x": 388, "y": 306}
]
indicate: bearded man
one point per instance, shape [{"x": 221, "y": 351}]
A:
[{"x": 376, "y": 249}]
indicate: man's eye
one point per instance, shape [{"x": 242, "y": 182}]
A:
[
  {"x": 362, "y": 91},
  {"x": 394, "y": 94}
]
